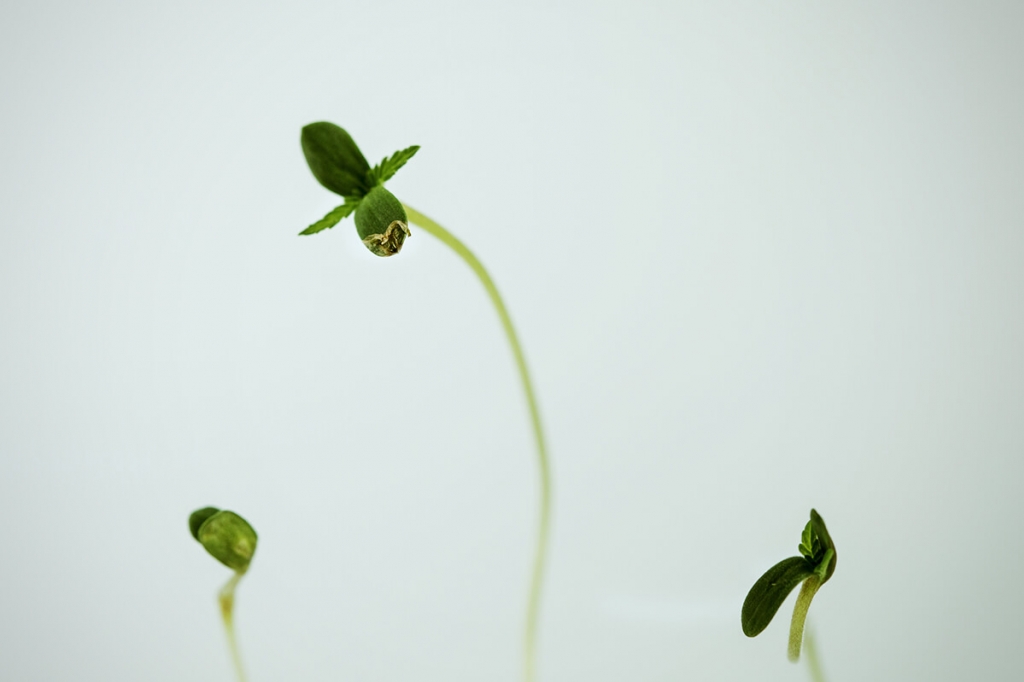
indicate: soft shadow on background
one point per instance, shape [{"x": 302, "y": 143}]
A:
[{"x": 762, "y": 256}]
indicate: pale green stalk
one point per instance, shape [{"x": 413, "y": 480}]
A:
[
  {"x": 227, "y": 607},
  {"x": 813, "y": 664},
  {"x": 544, "y": 522},
  {"x": 803, "y": 602}
]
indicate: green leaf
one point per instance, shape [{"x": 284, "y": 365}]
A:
[
  {"x": 384, "y": 170},
  {"x": 818, "y": 524},
  {"x": 770, "y": 590},
  {"x": 228, "y": 538},
  {"x": 810, "y": 545},
  {"x": 334, "y": 217},
  {"x": 198, "y": 517},
  {"x": 335, "y": 159}
]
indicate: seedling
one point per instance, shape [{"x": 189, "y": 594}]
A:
[
  {"x": 813, "y": 568},
  {"x": 231, "y": 541},
  {"x": 382, "y": 223}
]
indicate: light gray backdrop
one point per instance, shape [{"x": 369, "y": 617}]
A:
[{"x": 763, "y": 257}]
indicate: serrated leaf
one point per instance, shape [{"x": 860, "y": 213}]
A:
[
  {"x": 805, "y": 542},
  {"x": 384, "y": 170},
  {"x": 332, "y": 218},
  {"x": 810, "y": 545},
  {"x": 770, "y": 590}
]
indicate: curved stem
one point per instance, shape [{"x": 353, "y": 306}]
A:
[
  {"x": 227, "y": 607},
  {"x": 803, "y": 602},
  {"x": 544, "y": 521},
  {"x": 813, "y": 664}
]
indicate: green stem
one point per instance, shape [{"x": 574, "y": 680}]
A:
[
  {"x": 227, "y": 608},
  {"x": 803, "y": 602},
  {"x": 544, "y": 522},
  {"x": 813, "y": 664}
]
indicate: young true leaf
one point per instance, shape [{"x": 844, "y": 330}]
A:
[
  {"x": 335, "y": 159},
  {"x": 333, "y": 218},
  {"x": 384, "y": 170},
  {"x": 810, "y": 545},
  {"x": 813, "y": 568}
]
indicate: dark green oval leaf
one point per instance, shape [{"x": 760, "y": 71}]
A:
[
  {"x": 198, "y": 517},
  {"x": 335, "y": 159},
  {"x": 770, "y": 590}
]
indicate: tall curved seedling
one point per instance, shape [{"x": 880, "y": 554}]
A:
[{"x": 382, "y": 223}]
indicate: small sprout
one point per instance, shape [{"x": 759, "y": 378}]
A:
[
  {"x": 339, "y": 166},
  {"x": 225, "y": 535},
  {"x": 814, "y": 566},
  {"x": 232, "y": 541}
]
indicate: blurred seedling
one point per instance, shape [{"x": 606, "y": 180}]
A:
[
  {"x": 232, "y": 541},
  {"x": 813, "y": 568},
  {"x": 382, "y": 222}
]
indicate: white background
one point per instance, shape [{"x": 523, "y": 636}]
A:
[{"x": 762, "y": 256}]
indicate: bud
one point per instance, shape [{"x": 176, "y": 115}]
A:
[
  {"x": 226, "y": 536},
  {"x": 381, "y": 222}
]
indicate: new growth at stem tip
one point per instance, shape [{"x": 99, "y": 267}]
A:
[{"x": 338, "y": 165}]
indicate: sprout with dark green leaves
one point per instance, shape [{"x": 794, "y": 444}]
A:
[
  {"x": 232, "y": 541},
  {"x": 382, "y": 222},
  {"x": 338, "y": 164},
  {"x": 813, "y": 568}
]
